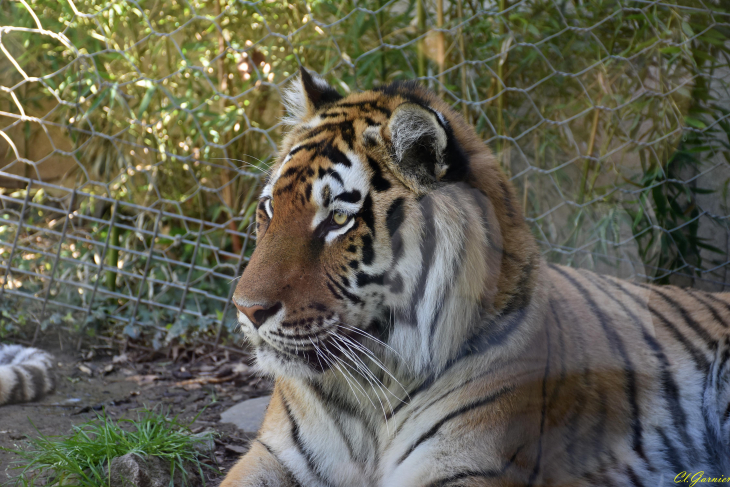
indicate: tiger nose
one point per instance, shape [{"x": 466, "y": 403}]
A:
[{"x": 257, "y": 313}]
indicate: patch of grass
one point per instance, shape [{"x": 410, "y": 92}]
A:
[{"x": 82, "y": 458}]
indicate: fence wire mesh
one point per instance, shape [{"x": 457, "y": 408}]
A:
[{"x": 133, "y": 135}]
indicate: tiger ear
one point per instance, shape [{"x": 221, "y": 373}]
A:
[
  {"x": 308, "y": 93},
  {"x": 419, "y": 146}
]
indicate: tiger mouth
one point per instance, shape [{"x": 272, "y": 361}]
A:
[
  {"x": 306, "y": 357},
  {"x": 320, "y": 354}
]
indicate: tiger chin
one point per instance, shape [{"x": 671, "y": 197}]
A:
[{"x": 417, "y": 338}]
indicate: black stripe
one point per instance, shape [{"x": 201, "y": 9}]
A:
[
  {"x": 367, "y": 215},
  {"x": 289, "y": 473},
  {"x": 599, "y": 428},
  {"x": 671, "y": 454},
  {"x": 292, "y": 171},
  {"x": 367, "y": 106},
  {"x": 368, "y": 251},
  {"x": 322, "y": 172},
  {"x": 724, "y": 359},
  {"x": 669, "y": 386},
  {"x": 561, "y": 340},
  {"x": 454, "y": 414},
  {"x": 363, "y": 279},
  {"x": 715, "y": 314},
  {"x": 713, "y": 297},
  {"x": 543, "y": 411},
  {"x": 313, "y": 146},
  {"x": 633, "y": 478},
  {"x": 17, "y": 393},
  {"x": 379, "y": 183},
  {"x": 580, "y": 399},
  {"x": 510, "y": 323},
  {"x": 617, "y": 344},
  {"x": 397, "y": 246},
  {"x": 344, "y": 128},
  {"x": 301, "y": 447},
  {"x": 415, "y": 412},
  {"x": 334, "y": 293},
  {"x": 714, "y": 445},
  {"x": 37, "y": 379},
  {"x": 453, "y": 278},
  {"x": 343, "y": 406},
  {"x": 471, "y": 474},
  {"x": 349, "y": 196},
  {"x": 332, "y": 114},
  {"x": 689, "y": 320},
  {"x": 479, "y": 344},
  {"x": 336, "y": 421},
  {"x": 698, "y": 357},
  {"x": 345, "y": 292},
  {"x": 335, "y": 155},
  {"x": 428, "y": 254},
  {"x": 395, "y": 216},
  {"x": 308, "y": 191}
]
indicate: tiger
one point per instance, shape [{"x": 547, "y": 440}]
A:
[
  {"x": 26, "y": 374},
  {"x": 417, "y": 336}
]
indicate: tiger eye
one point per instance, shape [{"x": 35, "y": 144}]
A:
[{"x": 339, "y": 217}]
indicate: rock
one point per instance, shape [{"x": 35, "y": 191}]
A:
[
  {"x": 85, "y": 369},
  {"x": 239, "y": 450},
  {"x": 131, "y": 470},
  {"x": 247, "y": 415},
  {"x": 120, "y": 359}
]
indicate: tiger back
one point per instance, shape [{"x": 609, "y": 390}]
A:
[
  {"x": 417, "y": 338},
  {"x": 26, "y": 374}
]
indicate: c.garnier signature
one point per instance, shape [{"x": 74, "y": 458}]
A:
[{"x": 701, "y": 477}]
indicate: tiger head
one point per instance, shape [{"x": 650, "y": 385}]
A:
[{"x": 384, "y": 224}]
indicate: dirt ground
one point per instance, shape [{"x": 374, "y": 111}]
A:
[{"x": 103, "y": 378}]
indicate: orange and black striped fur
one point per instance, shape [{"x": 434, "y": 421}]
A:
[
  {"x": 418, "y": 339},
  {"x": 25, "y": 374}
]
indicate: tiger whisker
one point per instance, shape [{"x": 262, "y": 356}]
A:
[
  {"x": 316, "y": 352},
  {"x": 367, "y": 373},
  {"x": 372, "y": 356},
  {"x": 347, "y": 366},
  {"x": 372, "y": 380},
  {"x": 335, "y": 362},
  {"x": 365, "y": 370},
  {"x": 371, "y": 337},
  {"x": 332, "y": 360},
  {"x": 368, "y": 353},
  {"x": 241, "y": 160},
  {"x": 328, "y": 360}
]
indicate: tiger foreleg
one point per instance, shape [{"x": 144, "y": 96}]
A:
[{"x": 259, "y": 468}]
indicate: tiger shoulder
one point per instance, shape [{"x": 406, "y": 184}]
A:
[{"x": 417, "y": 337}]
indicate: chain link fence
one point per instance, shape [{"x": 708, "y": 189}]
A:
[{"x": 133, "y": 135}]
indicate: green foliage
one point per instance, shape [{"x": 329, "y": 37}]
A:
[{"x": 82, "y": 458}]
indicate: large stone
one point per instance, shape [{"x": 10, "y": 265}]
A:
[
  {"x": 247, "y": 415},
  {"x": 131, "y": 470}
]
